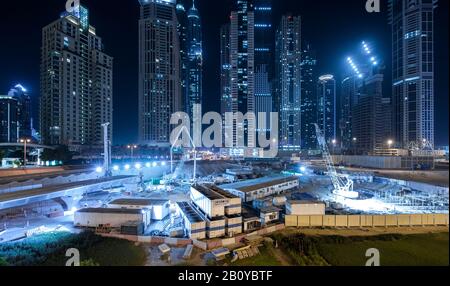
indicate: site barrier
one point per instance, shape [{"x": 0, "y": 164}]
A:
[{"x": 359, "y": 221}]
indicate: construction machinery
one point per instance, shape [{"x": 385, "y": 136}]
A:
[{"x": 343, "y": 185}]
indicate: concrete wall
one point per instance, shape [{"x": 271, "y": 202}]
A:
[{"x": 357, "y": 221}]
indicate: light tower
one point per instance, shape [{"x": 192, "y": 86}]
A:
[{"x": 106, "y": 150}]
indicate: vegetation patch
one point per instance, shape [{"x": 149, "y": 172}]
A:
[{"x": 50, "y": 250}]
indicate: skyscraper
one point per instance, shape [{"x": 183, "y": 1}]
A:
[
  {"x": 264, "y": 42},
  {"x": 413, "y": 71},
  {"x": 225, "y": 67},
  {"x": 159, "y": 71},
  {"x": 184, "y": 59},
  {"x": 309, "y": 99},
  {"x": 327, "y": 109},
  {"x": 76, "y": 82},
  {"x": 288, "y": 71},
  {"x": 20, "y": 93},
  {"x": 8, "y": 119},
  {"x": 195, "y": 59},
  {"x": 242, "y": 60},
  {"x": 349, "y": 97}
]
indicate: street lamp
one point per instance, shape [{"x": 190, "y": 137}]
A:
[
  {"x": 25, "y": 142},
  {"x": 132, "y": 148},
  {"x": 390, "y": 142}
]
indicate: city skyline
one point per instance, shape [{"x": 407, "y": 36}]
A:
[{"x": 124, "y": 114}]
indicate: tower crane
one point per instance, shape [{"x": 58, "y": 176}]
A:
[{"x": 343, "y": 185}]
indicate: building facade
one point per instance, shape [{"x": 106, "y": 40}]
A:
[
  {"x": 412, "y": 24},
  {"x": 24, "y": 110},
  {"x": 195, "y": 60},
  {"x": 309, "y": 99},
  {"x": 76, "y": 83},
  {"x": 159, "y": 71},
  {"x": 184, "y": 60},
  {"x": 264, "y": 51},
  {"x": 327, "y": 109},
  {"x": 288, "y": 72},
  {"x": 225, "y": 68},
  {"x": 9, "y": 126},
  {"x": 242, "y": 70}
]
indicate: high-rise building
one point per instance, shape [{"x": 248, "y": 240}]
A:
[
  {"x": 413, "y": 71},
  {"x": 264, "y": 50},
  {"x": 76, "y": 83},
  {"x": 195, "y": 59},
  {"x": 9, "y": 126},
  {"x": 327, "y": 110},
  {"x": 225, "y": 67},
  {"x": 309, "y": 99},
  {"x": 349, "y": 97},
  {"x": 184, "y": 59},
  {"x": 159, "y": 71},
  {"x": 242, "y": 60},
  {"x": 24, "y": 120},
  {"x": 370, "y": 116},
  {"x": 288, "y": 72}
]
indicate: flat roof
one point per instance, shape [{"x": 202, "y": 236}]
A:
[
  {"x": 138, "y": 202},
  {"x": 256, "y": 184},
  {"x": 294, "y": 202},
  {"x": 110, "y": 211},
  {"x": 191, "y": 214},
  {"x": 213, "y": 192},
  {"x": 270, "y": 210}
]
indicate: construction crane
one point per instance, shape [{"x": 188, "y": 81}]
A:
[
  {"x": 343, "y": 185},
  {"x": 194, "y": 149}
]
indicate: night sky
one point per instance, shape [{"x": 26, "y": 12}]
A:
[{"x": 333, "y": 28}]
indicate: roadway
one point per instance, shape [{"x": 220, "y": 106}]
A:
[{"x": 22, "y": 198}]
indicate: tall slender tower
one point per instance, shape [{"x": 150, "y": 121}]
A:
[
  {"x": 288, "y": 70},
  {"x": 264, "y": 49},
  {"x": 195, "y": 59},
  {"x": 76, "y": 83},
  {"x": 309, "y": 99},
  {"x": 159, "y": 71},
  {"x": 225, "y": 66},
  {"x": 413, "y": 71},
  {"x": 242, "y": 60},
  {"x": 184, "y": 59},
  {"x": 327, "y": 109}
]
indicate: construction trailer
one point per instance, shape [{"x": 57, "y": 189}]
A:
[
  {"x": 115, "y": 218},
  {"x": 194, "y": 222},
  {"x": 160, "y": 209},
  {"x": 261, "y": 188}
]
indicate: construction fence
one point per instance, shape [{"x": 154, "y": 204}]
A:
[{"x": 359, "y": 221}]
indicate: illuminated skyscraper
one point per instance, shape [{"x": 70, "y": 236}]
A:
[
  {"x": 8, "y": 119},
  {"x": 184, "y": 60},
  {"x": 76, "y": 83},
  {"x": 288, "y": 71},
  {"x": 309, "y": 99},
  {"x": 195, "y": 59},
  {"x": 159, "y": 71},
  {"x": 225, "y": 67},
  {"x": 24, "y": 110},
  {"x": 264, "y": 49},
  {"x": 413, "y": 71},
  {"x": 242, "y": 60},
  {"x": 327, "y": 109}
]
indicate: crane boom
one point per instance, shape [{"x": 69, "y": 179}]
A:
[{"x": 343, "y": 186}]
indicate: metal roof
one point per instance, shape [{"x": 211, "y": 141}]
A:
[{"x": 256, "y": 184}]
